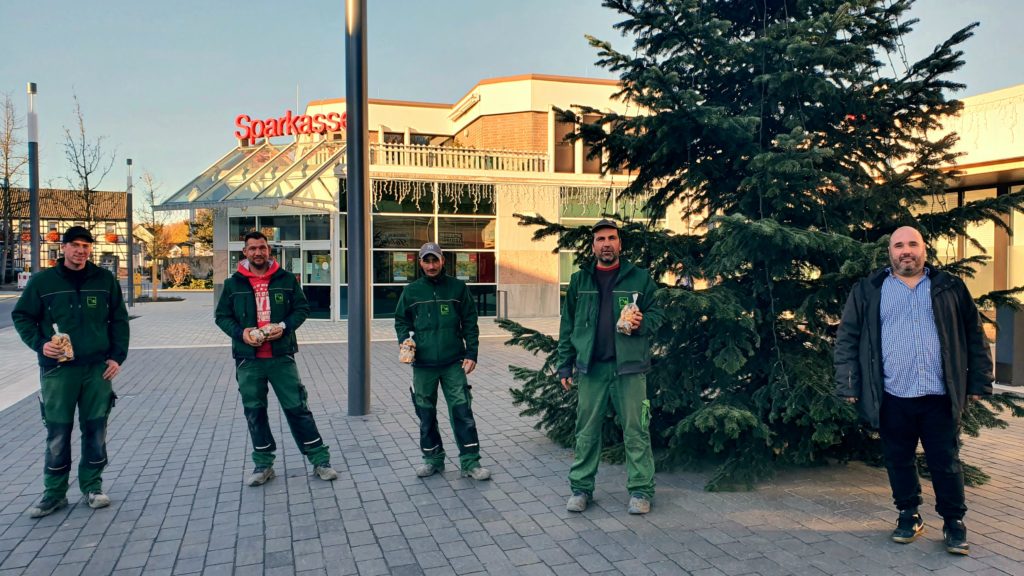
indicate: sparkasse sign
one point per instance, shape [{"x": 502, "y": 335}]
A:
[{"x": 290, "y": 124}]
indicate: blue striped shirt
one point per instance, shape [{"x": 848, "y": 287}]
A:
[{"x": 911, "y": 354}]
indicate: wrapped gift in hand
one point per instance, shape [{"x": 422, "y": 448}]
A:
[
  {"x": 626, "y": 317},
  {"x": 407, "y": 351}
]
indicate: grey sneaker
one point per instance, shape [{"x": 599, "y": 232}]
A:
[
  {"x": 426, "y": 469},
  {"x": 577, "y": 502},
  {"x": 478, "y": 473},
  {"x": 46, "y": 507},
  {"x": 639, "y": 504},
  {"x": 325, "y": 472},
  {"x": 97, "y": 500},
  {"x": 260, "y": 475}
]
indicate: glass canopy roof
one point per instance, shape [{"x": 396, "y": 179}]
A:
[{"x": 295, "y": 174}]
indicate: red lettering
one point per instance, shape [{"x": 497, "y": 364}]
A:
[
  {"x": 318, "y": 123},
  {"x": 334, "y": 122},
  {"x": 242, "y": 121},
  {"x": 289, "y": 124}
]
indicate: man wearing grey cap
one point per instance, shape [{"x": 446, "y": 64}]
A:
[{"x": 439, "y": 313}]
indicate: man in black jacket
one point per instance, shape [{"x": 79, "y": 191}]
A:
[{"x": 910, "y": 352}]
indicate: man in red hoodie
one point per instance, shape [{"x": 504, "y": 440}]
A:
[{"x": 260, "y": 308}]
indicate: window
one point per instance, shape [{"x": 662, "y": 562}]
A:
[
  {"x": 317, "y": 227},
  {"x": 110, "y": 228},
  {"x": 278, "y": 228},
  {"x": 239, "y": 227}
]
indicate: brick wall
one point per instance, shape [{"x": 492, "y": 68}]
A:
[{"x": 524, "y": 131}]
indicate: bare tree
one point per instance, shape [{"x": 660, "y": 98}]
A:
[
  {"x": 90, "y": 164},
  {"x": 157, "y": 237},
  {"x": 12, "y": 163}
]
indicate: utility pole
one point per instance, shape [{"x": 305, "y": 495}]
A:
[
  {"x": 33, "y": 175},
  {"x": 130, "y": 237},
  {"x": 359, "y": 287}
]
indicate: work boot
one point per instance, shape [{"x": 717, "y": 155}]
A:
[
  {"x": 954, "y": 536},
  {"x": 428, "y": 469},
  {"x": 325, "y": 472},
  {"x": 639, "y": 504},
  {"x": 260, "y": 475},
  {"x": 46, "y": 507},
  {"x": 478, "y": 473},
  {"x": 909, "y": 526},
  {"x": 577, "y": 502},
  {"x": 97, "y": 500}
]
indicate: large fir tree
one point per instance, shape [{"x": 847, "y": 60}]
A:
[{"x": 799, "y": 136}]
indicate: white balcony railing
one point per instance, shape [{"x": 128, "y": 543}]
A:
[{"x": 416, "y": 156}]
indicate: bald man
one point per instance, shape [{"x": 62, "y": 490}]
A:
[{"x": 910, "y": 353}]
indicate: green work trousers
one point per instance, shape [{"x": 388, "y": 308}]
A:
[
  {"x": 628, "y": 395},
  {"x": 281, "y": 372},
  {"x": 459, "y": 399},
  {"x": 62, "y": 389}
]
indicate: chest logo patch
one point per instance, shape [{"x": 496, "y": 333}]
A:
[
  {"x": 91, "y": 301},
  {"x": 623, "y": 300},
  {"x": 446, "y": 309},
  {"x": 279, "y": 298}
]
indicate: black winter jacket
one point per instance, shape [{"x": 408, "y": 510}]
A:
[{"x": 966, "y": 362}]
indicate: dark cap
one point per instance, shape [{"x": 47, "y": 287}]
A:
[
  {"x": 77, "y": 233},
  {"x": 430, "y": 248},
  {"x": 603, "y": 224}
]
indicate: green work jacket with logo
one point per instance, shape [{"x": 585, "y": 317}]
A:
[
  {"x": 442, "y": 313},
  {"x": 236, "y": 310},
  {"x": 576, "y": 333},
  {"x": 93, "y": 315}
]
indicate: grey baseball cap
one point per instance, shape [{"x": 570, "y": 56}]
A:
[{"x": 431, "y": 248}]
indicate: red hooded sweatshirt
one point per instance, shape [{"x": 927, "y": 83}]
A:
[{"x": 260, "y": 285}]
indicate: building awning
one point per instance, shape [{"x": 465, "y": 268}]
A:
[{"x": 299, "y": 174}]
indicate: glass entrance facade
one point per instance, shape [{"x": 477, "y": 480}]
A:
[{"x": 461, "y": 217}]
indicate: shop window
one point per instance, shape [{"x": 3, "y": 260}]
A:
[
  {"x": 402, "y": 196},
  {"x": 395, "y": 267},
  {"x": 316, "y": 227},
  {"x": 402, "y": 231},
  {"x": 385, "y": 300},
  {"x": 317, "y": 269},
  {"x": 319, "y": 298},
  {"x": 278, "y": 228},
  {"x": 472, "y": 267},
  {"x": 455, "y": 233},
  {"x": 486, "y": 298},
  {"x": 579, "y": 202},
  {"x": 240, "y": 226},
  {"x": 459, "y": 198}
]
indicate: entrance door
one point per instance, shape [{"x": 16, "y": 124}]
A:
[{"x": 289, "y": 257}]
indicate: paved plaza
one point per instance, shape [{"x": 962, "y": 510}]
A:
[{"x": 179, "y": 451}]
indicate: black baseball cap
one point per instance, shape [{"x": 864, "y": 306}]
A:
[
  {"x": 605, "y": 223},
  {"x": 77, "y": 233}
]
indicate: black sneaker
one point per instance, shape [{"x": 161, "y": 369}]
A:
[
  {"x": 46, "y": 507},
  {"x": 954, "y": 536},
  {"x": 908, "y": 527}
]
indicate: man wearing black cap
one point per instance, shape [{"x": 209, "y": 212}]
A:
[
  {"x": 82, "y": 301},
  {"x": 610, "y": 364},
  {"x": 440, "y": 313}
]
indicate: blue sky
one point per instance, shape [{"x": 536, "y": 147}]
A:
[{"x": 163, "y": 81}]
